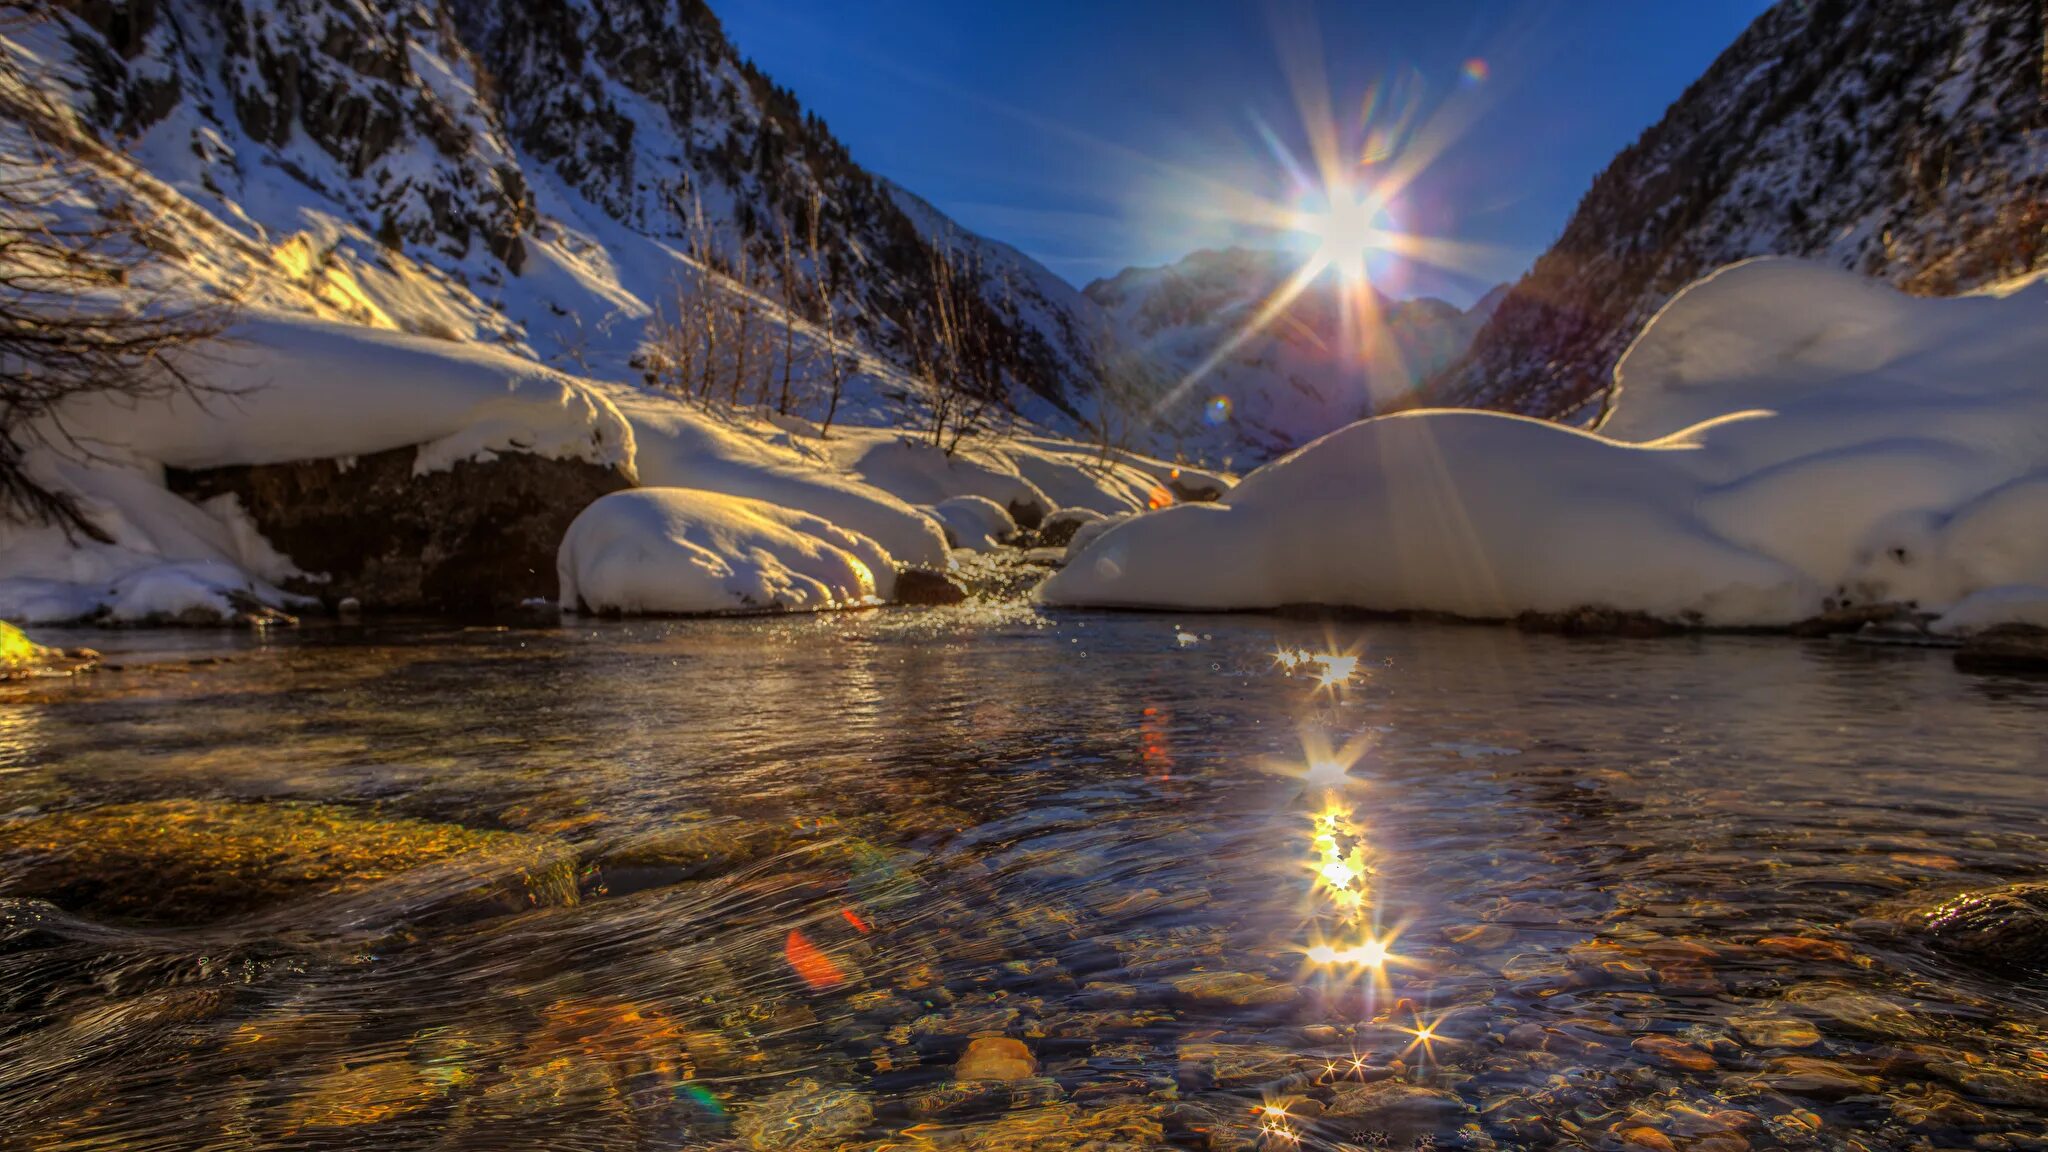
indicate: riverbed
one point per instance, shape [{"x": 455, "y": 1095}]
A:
[{"x": 988, "y": 877}]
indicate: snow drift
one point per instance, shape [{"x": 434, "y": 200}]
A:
[
  {"x": 678, "y": 550},
  {"x": 1788, "y": 438}
]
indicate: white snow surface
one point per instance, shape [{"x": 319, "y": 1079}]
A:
[
  {"x": 2005, "y": 604},
  {"x": 975, "y": 522},
  {"x": 1788, "y": 438},
  {"x": 296, "y": 388},
  {"x": 684, "y": 551}
]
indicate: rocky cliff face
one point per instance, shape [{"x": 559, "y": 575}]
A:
[{"x": 1899, "y": 138}]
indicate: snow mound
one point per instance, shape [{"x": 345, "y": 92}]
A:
[
  {"x": 975, "y": 522},
  {"x": 681, "y": 447},
  {"x": 683, "y": 551},
  {"x": 1789, "y": 438}
]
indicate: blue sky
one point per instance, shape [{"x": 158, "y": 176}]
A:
[{"x": 1095, "y": 136}]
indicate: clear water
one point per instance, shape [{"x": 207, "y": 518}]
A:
[{"x": 1633, "y": 894}]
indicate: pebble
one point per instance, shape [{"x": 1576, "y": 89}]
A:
[{"x": 996, "y": 1058}]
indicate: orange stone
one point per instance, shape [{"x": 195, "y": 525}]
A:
[
  {"x": 1646, "y": 1137},
  {"x": 995, "y": 1058},
  {"x": 1675, "y": 1053}
]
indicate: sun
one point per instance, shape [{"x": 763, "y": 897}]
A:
[{"x": 1348, "y": 228}]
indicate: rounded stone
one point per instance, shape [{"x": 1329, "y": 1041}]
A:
[{"x": 996, "y": 1058}]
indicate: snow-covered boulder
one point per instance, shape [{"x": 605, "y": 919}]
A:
[
  {"x": 1789, "y": 438},
  {"x": 684, "y": 551},
  {"x": 975, "y": 522},
  {"x": 678, "y": 446}
]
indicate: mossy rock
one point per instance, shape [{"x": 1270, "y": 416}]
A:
[
  {"x": 195, "y": 861},
  {"x": 688, "y": 851},
  {"x": 21, "y": 656}
]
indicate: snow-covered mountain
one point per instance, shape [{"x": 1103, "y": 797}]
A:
[
  {"x": 1903, "y": 139},
  {"x": 1299, "y": 376},
  {"x": 542, "y": 163}
]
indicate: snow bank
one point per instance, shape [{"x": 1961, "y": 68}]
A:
[
  {"x": 1788, "y": 438},
  {"x": 289, "y": 388},
  {"x": 676, "y": 550},
  {"x": 1073, "y": 479},
  {"x": 975, "y": 522},
  {"x": 296, "y": 388}
]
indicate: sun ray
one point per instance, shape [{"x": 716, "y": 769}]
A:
[{"x": 1274, "y": 305}]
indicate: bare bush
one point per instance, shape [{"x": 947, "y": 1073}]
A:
[
  {"x": 953, "y": 348},
  {"x": 83, "y": 308}
]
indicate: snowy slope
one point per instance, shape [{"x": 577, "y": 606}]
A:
[
  {"x": 1298, "y": 377},
  {"x": 448, "y": 227},
  {"x": 539, "y": 163},
  {"x": 1904, "y": 139},
  {"x": 1789, "y": 438}
]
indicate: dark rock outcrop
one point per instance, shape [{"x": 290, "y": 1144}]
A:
[
  {"x": 2006, "y": 648},
  {"x": 924, "y": 586},
  {"x": 2002, "y": 930},
  {"x": 477, "y": 538},
  {"x": 1058, "y": 529}
]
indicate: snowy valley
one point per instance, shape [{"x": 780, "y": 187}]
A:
[{"x": 488, "y": 269}]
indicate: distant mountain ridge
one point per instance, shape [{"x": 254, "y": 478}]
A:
[
  {"x": 1903, "y": 139},
  {"x": 1294, "y": 380}
]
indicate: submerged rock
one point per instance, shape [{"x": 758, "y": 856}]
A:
[
  {"x": 1234, "y": 989},
  {"x": 1405, "y": 1112},
  {"x": 2002, "y": 930},
  {"x": 996, "y": 1058},
  {"x": 803, "y": 1116},
  {"x": 193, "y": 861},
  {"x": 1123, "y": 1126},
  {"x": 2006, "y": 648},
  {"x": 480, "y": 536},
  {"x": 21, "y": 656}
]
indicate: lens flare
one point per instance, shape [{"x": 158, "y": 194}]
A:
[
  {"x": 1475, "y": 71},
  {"x": 810, "y": 962},
  {"x": 1330, "y": 669},
  {"x": 1217, "y": 410}
]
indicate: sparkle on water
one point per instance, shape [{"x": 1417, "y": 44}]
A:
[{"x": 794, "y": 868}]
